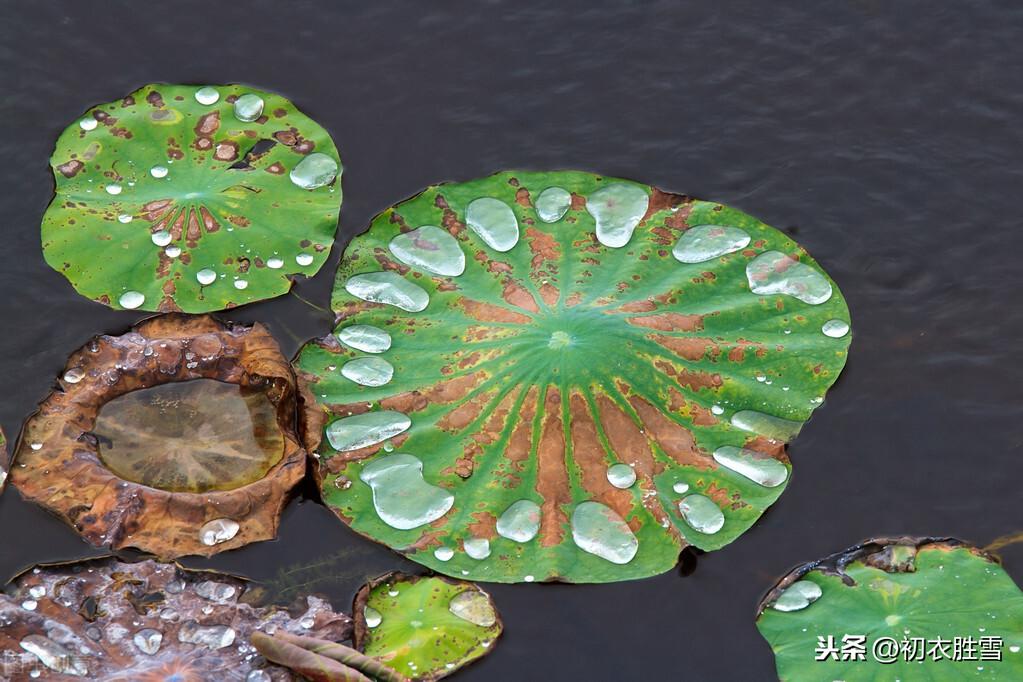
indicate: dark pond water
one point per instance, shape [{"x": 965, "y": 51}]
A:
[{"x": 884, "y": 136}]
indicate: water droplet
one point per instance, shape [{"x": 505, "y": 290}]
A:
[
  {"x": 773, "y": 272},
  {"x": 552, "y": 204},
  {"x": 621, "y": 475},
  {"x": 520, "y": 521},
  {"x": 29, "y": 604},
  {"x": 212, "y": 636},
  {"x": 477, "y": 548},
  {"x": 53, "y": 656},
  {"x": 364, "y": 337},
  {"x": 798, "y": 595},
  {"x": 131, "y": 299},
  {"x": 258, "y": 676},
  {"x": 275, "y": 263},
  {"x": 315, "y": 170},
  {"x": 161, "y": 237},
  {"x": 207, "y": 96},
  {"x": 74, "y": 375},
  {"x": 36, "y": 446},
  {"x": 214, "y": 591},
  {"x": 494, "y": 222},
  {"x": 241, "y": 284},
  {"x": 248, "y": 108},
  {"x": 473, "y": 606},
  {"x": 707, "y": 242},
  {"x": 680, "y": 487},
  {"x": 206, "y": 276},
  {"x": 836, "y": 329},
  {"x": 307, "y": 623},
  {"x": 148, "y": 640},
  {"x": 757, "y": 467},
  {"x": 388, "y": 288},
  {"x": 702, "y": 513},
  {"x": 363, "y": 430},
  {"x": 368, "y": 371},
  {"x": 124, "y": 218},
  {"x": 443, "y": 553},
  {"x": 429, "y": 248},
  {"x": 158, "y": 171},
  {"x": 373, "y": 617},
  {"x": 37, "y": 591},
  {"x": 172, "y": 251},
  {"x": 717, "y": 409},
  {"x": 617, "y": 209},
  {"x": 218, "y": 531},
  {"x": 304, "y": 259},
  {"x": 88, "y": 124},
  {"x": 402, "y": 497},
  {"x": 113, "y": 188},
  {"x": 766, "y": 425},
  {"x": 599, "y": 530}
]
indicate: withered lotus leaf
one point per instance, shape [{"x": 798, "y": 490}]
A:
[
  {"x": 175, "y": 438},
  {"x": 563, "y": 376},
  {"x": 110, "y": 620},
  {"x": 191, "y": 198}
]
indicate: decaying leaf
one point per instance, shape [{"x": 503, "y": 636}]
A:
[
  {"x": 176, "y": 438},
  {"x": 3, "y": 461},
  {"x": 180, "y": 197},
  {"x": 896, "y": 608},
  {"x": 424, "y": 627},
  {"x": 107, "y": 619},
  {"x": 561, "y": 376}
]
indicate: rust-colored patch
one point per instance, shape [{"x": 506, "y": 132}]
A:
[
  {"x": 515, "y": 294},
  {"x": 675, "y": 439},
  {"x": 71, "y": 168},
  {"x": 544, "y": 247},
  {"x": 155, "y": 99},
  {"x": 226, "y": 151},
  {"x": 485, "y": 525},
  {"x": 644, "y": 306},
  {"x": 689, "y": 348},
  {"x": 276, "y": 168},
  {"x": 669, "y": 322},
  {"x": 464, "y": 414},
  {"x": 208, "y": 124},
  {"x": 591, "y": 459},
  {"x": 488, "y": 312},
  {"x": 552, "y": 473},
  {"x": 520, "y": 443},
  {"x": 522, "y": 198},
  {"x": 695, "y": 380}
]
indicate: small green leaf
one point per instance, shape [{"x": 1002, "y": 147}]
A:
[
  {"x": 915, "y": 609},
  {"x": 189, "y": 198},
  {"x": 583, "y": 376},
  {"x": 424, "y": 627}
]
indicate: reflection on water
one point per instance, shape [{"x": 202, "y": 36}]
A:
[{"x": 190, "y": 436}]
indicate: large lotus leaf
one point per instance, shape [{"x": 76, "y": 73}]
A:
[
  {"x": 112, "y": 620},
  {"x": 424, "y": 627},
  {"x": 897, "y": 609},
  {"x": 561, "y": 376},
  {"x": 181, "y": 197}
]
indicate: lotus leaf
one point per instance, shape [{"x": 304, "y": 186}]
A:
[
  {"x": 176, "y": 438},
  {"x": 898, "y": 608},
  {"x": 573, "y": 377},
  {"x": 188, "y": 198}
]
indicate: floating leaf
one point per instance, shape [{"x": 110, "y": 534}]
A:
[
  {"x": 424, "y": 627},
  {"x": 918, "y": 608},
  {"x": 111, "y": 620},
  {"x": 180, "y": 197},
  {"x": 614, "y": 327},
  {"x": 3, "y": 461},
  {"x": 176, "y": 438}
]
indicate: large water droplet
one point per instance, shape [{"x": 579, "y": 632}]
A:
[
  {"x": 621, "y": 475},
  {"x": 315, "y": 170},
  {"x": 798, "y": 595},
  {"x": 473, "y": 606},
  {"x": 206, "y": 276},
  {"x": 248, "y": 108},
  {"x": 207, "y": 96},
  {"x": 757, "y": 467},
  {"x": 158, "y": 171},
  {"x": 494, "y": 221},
  {"x": 37, "y": 591},
  {"x": 54, "y": 656},
  {"x": 218, "y": 531},
  {"x": 368, "y": 371},
  {"x": 124, "y": 218},
  {"x": 402, "y": 497},
  {"x": 836, "y": 329},
  {"x": 680, "y": 487},
  {"x": 212, "y": 636},
  {"x": 74, "y": 375},
  {"x": 599, "y": 530},
  {"x": 773, "y": 272},
  {"x": 617, "y": 209},
  {"x": 275, "y": 263},
  {"x": 373, "y": 617},
  {"x": 240, "y": 284},
  {"x": 148, "y": 640},
  {"x": 172, "y": 251},
  {"x": 429, "y": 248},
  {"x": 706, "y": 242},
  {"x": 258, "y": 676},
  {"x": 389, "y": 288},
  {"x": 363, "y": 430},
  {"x": 443, "y": 553},
  {"x": 131, "y": 299},
  {"x": 161, "y": 237},
  {"x": 214, "y": 591},
  {"x": 552, "y": 204},
  {"x": 766, "y": 425},
  {"x": 113, "y": 188},
  {"x": 477, "y": 548},
  {"x": 364, "y": 337},
  {"x": 702, "y": 513},
  {"x": 88, "y": 124},
  {"x": 520, "y": 522},
  {"x": 304, "y": 259}
]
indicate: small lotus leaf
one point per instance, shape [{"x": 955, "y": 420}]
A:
[
  {"x": 180, "y": 197},
  {"x": 598, "y": 324}
]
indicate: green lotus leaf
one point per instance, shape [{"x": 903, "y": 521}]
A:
[
  {"x": 891, "y": 609},
  {"x": 424, "y": 627},
  {"x": 574, "y": 377},
  {"x": 181, "y": 197}
]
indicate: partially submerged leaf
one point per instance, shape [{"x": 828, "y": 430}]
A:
[
  {"x": 177, "y": 438},
  {"x": 3, "y": 461},
  {"x": 180, "y": 197},
  {"x": 916, "y": 608},
  {"x": 111, "y": 620},
  {"x": 424, "y": 627},
  {"x": 575, "y": 377}
]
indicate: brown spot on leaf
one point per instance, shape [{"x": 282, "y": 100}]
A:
[
  {"x": 669, "y": 322},
  {"x": 552, "y": 473},
  {"x": 71, "y": 168}
]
